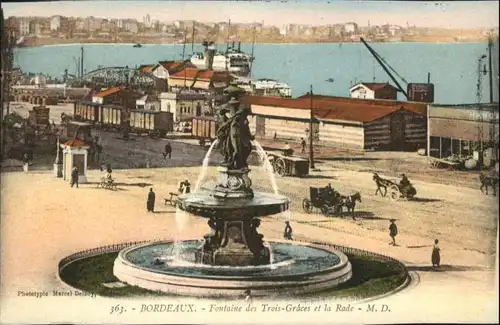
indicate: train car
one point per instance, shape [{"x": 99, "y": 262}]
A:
[
  {"x": 39, "y": 115},
  {"x": 204, "y": 128},
  {"x": 151, "y": 122},
  {"x": 111, "y": 116},
  {"x": 87, "y": 112}
]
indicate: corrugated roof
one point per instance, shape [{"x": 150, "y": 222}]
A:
[
  {"x": 146, "y": 67},
  {"x": 203, "y": 75},
  {"x": 108, "y": 92},
  {"x": 417, "y": 107},
  {"x": 329, "y": 110},
  {"x": 171, "y": 66}
]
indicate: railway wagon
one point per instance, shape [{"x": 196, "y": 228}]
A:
[
  {"x": 87, "y": 112},
  {"x": 39, "y": 115},
  {"x": 204, "y": 128},
  {"x": 151, "y": 122},
  {"x": 111, "y": 116}
]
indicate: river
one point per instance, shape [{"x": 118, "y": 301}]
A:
[{"x": 452, "y": 66}]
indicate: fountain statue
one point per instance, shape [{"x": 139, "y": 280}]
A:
[
  {"x": 233, "y": 256},
  {"x": 234, "y": 239}
]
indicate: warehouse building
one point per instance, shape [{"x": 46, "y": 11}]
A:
[
  {"x": 340, "y": 123},
  {"x": 462, "y": 129}
]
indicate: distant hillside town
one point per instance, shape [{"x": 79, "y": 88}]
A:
[{"x": 59, "y": 30}]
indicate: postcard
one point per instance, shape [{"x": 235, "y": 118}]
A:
[{"x": 249, "y": 162}]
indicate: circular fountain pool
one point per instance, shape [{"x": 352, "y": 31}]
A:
[{"x": 170, "y": 267}]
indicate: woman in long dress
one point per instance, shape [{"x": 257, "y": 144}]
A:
[{"x": 436, "y": 256}]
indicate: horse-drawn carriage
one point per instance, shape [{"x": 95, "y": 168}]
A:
[
  {"x": 319, "y": 198},
  {"x": 396, "y": 190},
  {"x": 288, "y": 165}
]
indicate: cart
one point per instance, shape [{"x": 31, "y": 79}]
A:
[
  {"x": 285, "y": 165},
  {"x": 318, "y": 199},
  {"x": 396, "y": 191},
  {"x": 172, "y": 200},
  {"x": 106, "y": 184},
  {"x": 446, "y": 164}
]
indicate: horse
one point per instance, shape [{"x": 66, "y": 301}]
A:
[
  {"x": 349, "y": 202},
  {"x": 488, "y": 181},
  {"x": 381, "y": 183}
]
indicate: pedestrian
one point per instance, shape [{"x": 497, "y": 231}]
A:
[
  {"x": 74, "y": 176},
  {"x": 187, "y": 187},
  {"x": 288, "y": 231},
  {"x": 25, "y": 162},
  {"x": 184, "y": 187},
  {"x": 248, "y": 296},
  {"x": 150, "y": 205},
  {"x": 436, "y": 255},
  {"x": 302, "y": 145},
  {"x": 393, "y": 232},
  {"x": 168, "y": 151}
]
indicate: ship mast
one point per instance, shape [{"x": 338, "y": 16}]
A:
[
  {"x": 192, "y": 37},
  {"x": 253, "y": 47},
  {"x": 228, "y": 35},
  {"x": 184, "y": 44}
]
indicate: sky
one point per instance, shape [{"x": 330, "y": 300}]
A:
[{"x": 450, "y": 14}]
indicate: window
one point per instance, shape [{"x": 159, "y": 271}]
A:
[{"x": 168, "y": 107}]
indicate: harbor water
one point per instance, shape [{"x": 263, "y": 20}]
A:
[{"x": 330, "y": 68}]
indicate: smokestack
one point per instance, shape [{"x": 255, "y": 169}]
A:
[
  {"x": 209, "y": 55},
  {"x": 239, "y": 46}
]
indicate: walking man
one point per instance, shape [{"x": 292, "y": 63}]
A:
[
  {"x": 302, "y": 145},
  {"x": 393, "y": 232},
  {"x": 74, "y": 177},
  {"x": 150, "y": 205},
  {"x": 248, "y": 296},
  {"x": 288, "y": 231},
  {"x": 25, "y": 162},
  {"x": 436, "y": 254},
  {"x": 168, "y": 151}
]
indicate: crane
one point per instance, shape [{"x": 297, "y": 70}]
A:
[{"x": 387, "y": 68}]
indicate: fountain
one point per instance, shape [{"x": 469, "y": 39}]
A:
[{"x": 233, "y": 257}]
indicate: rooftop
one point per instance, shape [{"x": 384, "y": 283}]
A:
[
  {"x": 109, "y": 91},
  {"x": 204, "y": 75},
  {"x": 417, "y": 107},
  {"x": 328, "y": 109},
  {"x": 75, "y": 143},
  {"x": 373, "y": 85}
]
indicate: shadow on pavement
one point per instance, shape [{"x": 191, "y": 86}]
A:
[{"x": 447, "y": 268}]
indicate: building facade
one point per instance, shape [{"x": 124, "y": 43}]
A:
[
  {"x": 462, "y": 129},
  {"x": 374, "y": 91},
  {"x": 24, "y": 27},
  {"x": 148, "y": 102},
  {"x": 338, "y": 124},
  {"x": 184, "y": 105},
  {"x": 55, "y": 23}
]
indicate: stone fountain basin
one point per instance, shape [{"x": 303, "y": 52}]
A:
[
  {"x": 203, "y": 203},
  {"x": 287, "y": 277}
]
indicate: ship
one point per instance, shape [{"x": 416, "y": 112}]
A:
[
  {"x": 20, "y": 42},
  {"x": 233, "y": 60},
  {"x": 264, "y": 87},
  {"x": 137, "y": 45}
]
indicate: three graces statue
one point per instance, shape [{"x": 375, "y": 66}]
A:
[{"x": 234, "y": 137}]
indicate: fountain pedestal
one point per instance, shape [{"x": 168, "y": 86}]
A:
[
  {"x": 233, "y": 184},
  {"x": 234, "y": 242}
]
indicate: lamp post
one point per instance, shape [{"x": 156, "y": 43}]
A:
[{"x": 311, "y": 134}]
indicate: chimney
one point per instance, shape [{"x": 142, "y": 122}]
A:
[{"x": 239, "y": 46}]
